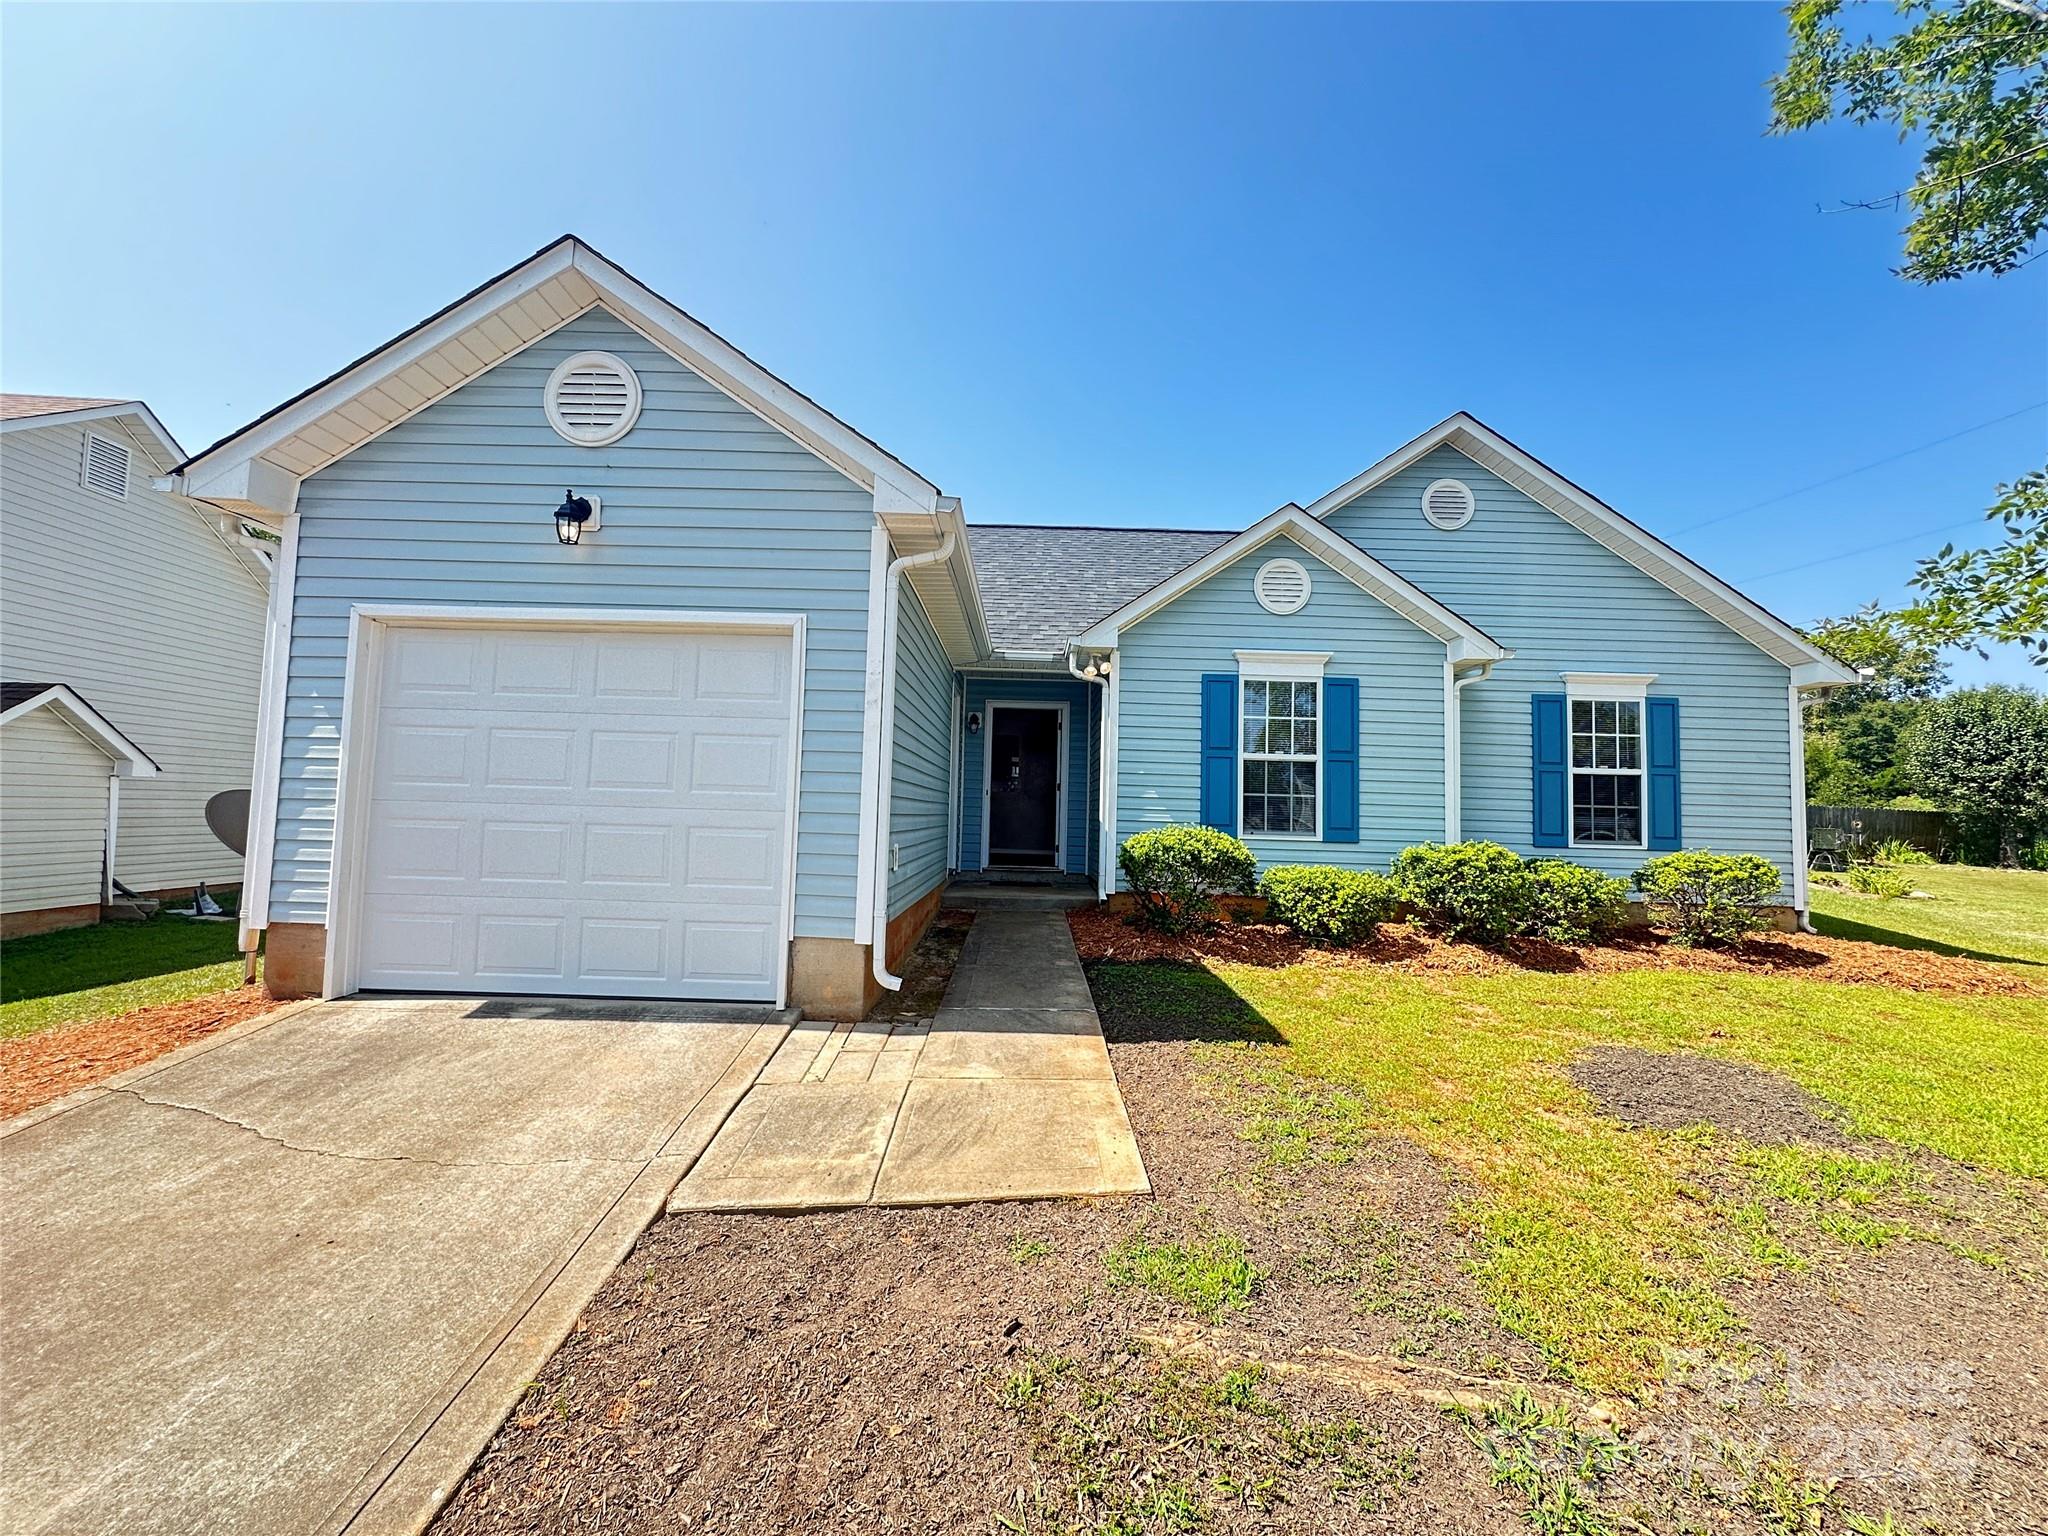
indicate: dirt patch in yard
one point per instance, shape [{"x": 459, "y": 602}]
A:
[
  {"x": 927, "y": 969},
  {"x": 1100, "y": 934},
  {"x": 38, "y": 1068},
  {"x": 1669, "y": 1092}
]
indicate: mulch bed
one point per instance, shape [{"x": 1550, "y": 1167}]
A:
[
  {"x": 53, "y": 1062},
  {"x": 1101, "y": 934}
]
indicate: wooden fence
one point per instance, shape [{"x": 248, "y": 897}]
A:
[{"x": 1929, "y": 831}]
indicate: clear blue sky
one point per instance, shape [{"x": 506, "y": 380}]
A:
[{"x": 1145, "y": 265}]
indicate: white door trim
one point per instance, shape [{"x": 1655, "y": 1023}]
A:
[
  {"x": 1062, "y": 763},
  {"x": 367, "y": 626}
]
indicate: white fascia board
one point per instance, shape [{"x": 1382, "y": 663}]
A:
[
  {"x": 1467, "y": 640},
  {"x": 254, "y": 488},
  {"x": 163, "y": 447},
  {"x": 130, "y": 761},
  {"x": 1606, "y": 527}
]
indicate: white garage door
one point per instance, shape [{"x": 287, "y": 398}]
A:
[{"x": 592, "y": 813}]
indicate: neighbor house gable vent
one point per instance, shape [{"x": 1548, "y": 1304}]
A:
[
  {"x": 593, "y": 399},
  {"x": 1281, "y": 586},
  {"x": 105, "y": 468},
  {"x": 1447, "y": 504}
]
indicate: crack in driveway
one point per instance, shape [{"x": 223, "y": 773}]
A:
[{"x": 379, "y": 1157}]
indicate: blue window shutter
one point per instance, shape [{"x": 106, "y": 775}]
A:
[
  {"x": 1219, "y": 751},
  {"x": 1340, "y": 759},
  {"x": 1549, "y": 826},
  {"x": 1660, "y": 726}
]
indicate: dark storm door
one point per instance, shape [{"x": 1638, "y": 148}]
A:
[{"x": 1023, "y": 786}]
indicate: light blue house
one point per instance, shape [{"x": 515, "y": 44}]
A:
[{"x": 601, "y": 661}]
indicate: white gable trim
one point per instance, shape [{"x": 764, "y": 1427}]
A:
[
  {"x": 1465, "y": 640},
  {"x": 155, "y": 437},
  {"x": 507, "y": 314},
  {"x": 130, "y": 761},
  {"x": 1607, "y": 527}
]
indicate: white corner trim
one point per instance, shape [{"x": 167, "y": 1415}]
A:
[
  {"x": 1601, "y": 523},
  {"x": 1798, "y": 799},
  {"x": 257, "y": 860},
  {"x": 130, "y": 761},
  {"x": 1305, "y": 666},
  {"x": 871, "y": 738}
]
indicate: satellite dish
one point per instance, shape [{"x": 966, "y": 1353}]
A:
[{"x": 227, "y": 814}]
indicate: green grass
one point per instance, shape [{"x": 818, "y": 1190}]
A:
[
  {"x": 1987, "y": 914},
  {"x": 1606, "y": 1246},
  {"x": 91, "y": 973},
  {"x": 1209, "y": 1277}
]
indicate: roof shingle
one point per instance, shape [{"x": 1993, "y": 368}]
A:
[
  {"x": 1041, "y": 586},
  {"x": 14, "y": 407}
]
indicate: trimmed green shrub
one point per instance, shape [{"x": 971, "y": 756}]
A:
[
  {"x": 1466, "y": 890},
  {"x": 1573, "y": 904},
  {"x": 1710, "y": 898},
  {"x": 1176, "y": 871},
  {"x": 1325, "y": 903}
]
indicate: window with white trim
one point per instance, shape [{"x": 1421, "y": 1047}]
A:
[
  {"x": 1280, "y": 767},
  {"x": 1605, "y": 717}
]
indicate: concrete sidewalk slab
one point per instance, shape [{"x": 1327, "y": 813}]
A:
[
  {"x": 1001, "y": 1139},
  {"x": 992, "y": 1100},
  {"x": 293, "y": 1283}
]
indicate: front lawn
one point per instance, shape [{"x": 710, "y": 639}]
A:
[
  {"x": 1990, "y": 914},
  {"x": 1605, "y": 1246},
  {"x": 111, "y": 968}
]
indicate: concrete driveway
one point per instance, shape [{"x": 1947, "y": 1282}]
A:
[{"x": 291, "y": 1279}]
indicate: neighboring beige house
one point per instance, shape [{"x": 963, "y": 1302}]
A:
[{"x": 131, "y": 648}]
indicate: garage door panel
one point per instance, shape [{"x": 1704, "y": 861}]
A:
[{"x": 580, "y": 813}]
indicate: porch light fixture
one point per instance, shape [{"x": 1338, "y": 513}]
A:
[{"x": 570, "y": 517}]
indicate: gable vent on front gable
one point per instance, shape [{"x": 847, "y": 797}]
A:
[
  {"x": 1281, "y": 586},
  {"x": 593, "y": 399},
  {"x": 105, "y": 467},
  {"x": 1448, "y": 504}
]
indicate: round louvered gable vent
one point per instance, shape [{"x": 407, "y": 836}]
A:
[
  {"x": 1281, "y": 586},
  {"x": 593, "y": 399},
  {"x": 1447, "y": 504}
]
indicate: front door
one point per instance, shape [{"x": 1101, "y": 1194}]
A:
[{"x": 1023, "y": 786}]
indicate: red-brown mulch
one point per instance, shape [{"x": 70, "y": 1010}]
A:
[
  {"x": 1100, "y": 934},
  {"x": 40, "y": 1067}
]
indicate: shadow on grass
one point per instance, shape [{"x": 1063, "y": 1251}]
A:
[
  {"x": 1173, "y": 1000},
  {"x": 1873, "y": 933},
  {"x": 78, "y": 959}
]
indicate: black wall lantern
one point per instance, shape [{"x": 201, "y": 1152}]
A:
[{"x": 570, "y": 517}]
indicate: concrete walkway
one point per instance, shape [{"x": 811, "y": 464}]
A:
[
  {"x": 292, "y": 1278},
  {"x": 1006, "y": 1094}
]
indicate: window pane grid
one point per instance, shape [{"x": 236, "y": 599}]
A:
[
  {"x": 1280, "y": 730},
  {"x": 1607, "y": 771}
]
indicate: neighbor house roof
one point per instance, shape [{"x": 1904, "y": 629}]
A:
[
  {"x": 1042, "y": 586},
  {"x": 1810, "y": 665},
  {"x": 18, "y": 699},
  {"x": 20, "y": 413}
]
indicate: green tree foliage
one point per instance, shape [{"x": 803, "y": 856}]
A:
[
  {"x": 1983, "y": 753},
  {"x": 1852, "y": 734},
  {"x": 1966, "y": 75},
  {"x": 1999, "y": 594}
]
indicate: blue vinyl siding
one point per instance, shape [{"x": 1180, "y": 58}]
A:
[
  {"x": 920, "y": 778},
  {"x": 1563, "y": 603},
  {"x": 705, "y": 506},
  {"x": 1083, "y": 701},
  {"x": 1400, "y": 672}
]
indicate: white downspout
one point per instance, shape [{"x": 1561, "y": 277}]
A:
[
  {"x": 113, "y": 833},
  {"x": 1454, "y": 735},
  {"x": 878, "y": 934},
  {"x": 1101, "y": 679}
]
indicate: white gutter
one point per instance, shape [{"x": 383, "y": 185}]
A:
[
  {"x": 1101, "y": 679},
  {"x": 878, "y": 934}
]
